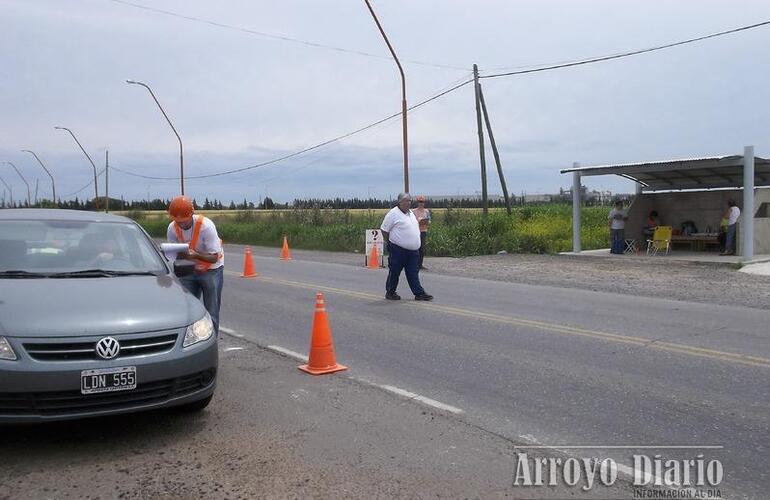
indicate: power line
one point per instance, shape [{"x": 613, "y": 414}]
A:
[
  {"x": 305, "y": 150},
  {"x": 626, "y": 54},
  {"x": 276, "y": 37},
  {"x": 451, "y": 89},
  {"x": 84, "y": 187}
]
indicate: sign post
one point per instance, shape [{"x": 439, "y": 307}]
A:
[{"x": 374, "y": 238}]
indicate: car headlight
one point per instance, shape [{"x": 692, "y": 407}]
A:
[
  {"x": 6, "y": 351},
  {"x": 199, "y": 331}
]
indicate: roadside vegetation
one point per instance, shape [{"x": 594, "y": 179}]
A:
[{"x": 455, "y": 232}]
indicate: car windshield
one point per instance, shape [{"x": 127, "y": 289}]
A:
[{"x": 35, "y": 248}]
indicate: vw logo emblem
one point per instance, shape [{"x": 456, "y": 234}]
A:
[{"x": 107, "y": 348}]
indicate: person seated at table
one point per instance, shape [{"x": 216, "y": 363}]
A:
[{"x": 649, "y": 225}]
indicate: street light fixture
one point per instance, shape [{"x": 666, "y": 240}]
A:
[
  {"x": 9, "y": 189},
  {"x": 96, "y": 184},
  {"x": 29, "y": 195},
  {"x": 181, "y": 151},
  {"x": 403, "y": 97},
  {"x": 53, "y": 184}
]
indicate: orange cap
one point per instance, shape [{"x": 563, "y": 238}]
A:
[{"x": 180, "y": 208}]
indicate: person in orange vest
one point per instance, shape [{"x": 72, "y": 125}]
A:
[{"x": 205, "y": 250}]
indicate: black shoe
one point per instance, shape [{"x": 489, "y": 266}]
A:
[
  {"x": 426, "y": 297},
  {"x": 392, "y": 296}
]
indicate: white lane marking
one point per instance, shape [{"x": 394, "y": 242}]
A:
[
  {"x": 230, "y": 331},
  {"x": 228, "y": 349},
  {"x": 421, "y": 399},
  {"x": 288, "y": 352}
]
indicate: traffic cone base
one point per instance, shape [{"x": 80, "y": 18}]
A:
[
  {"x": 373, "y": 262},
  {"x": 248, "y": 265},
  {"x": 285, "y": 250},
  {"x": 321, "y": 359},
  {"x": 322, "y": 371}
]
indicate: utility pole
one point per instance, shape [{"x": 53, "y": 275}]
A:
[
  {"x": 403, "y": 96},
  {"x": 477, "y": 88},
  {"x": 495, "y": 153},
  {"x": 37, "y": 182},
  {"x": 107, "y": 180}
]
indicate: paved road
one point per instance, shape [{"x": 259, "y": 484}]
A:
[{"x": 539, "y": 365}]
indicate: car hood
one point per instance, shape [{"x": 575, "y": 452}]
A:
[{"x": 94, "y": 306}]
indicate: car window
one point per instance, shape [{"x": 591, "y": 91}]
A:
[{"x": 66, "y": 246}]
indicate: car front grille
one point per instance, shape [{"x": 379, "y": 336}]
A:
[
  {"x": 73, "y": 402},
  {"x": 79, "y": 350}
]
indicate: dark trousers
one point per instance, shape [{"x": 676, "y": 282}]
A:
[
  {"x": 730, "y": 238},
  {"x": 423, "y": 237},
  {"x": 616, "y": 240},
  {"x": 207, "y": 287},
  {"x": 402, "y": 259}
]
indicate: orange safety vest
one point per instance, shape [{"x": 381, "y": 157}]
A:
[{"x": 201, "y": 266}]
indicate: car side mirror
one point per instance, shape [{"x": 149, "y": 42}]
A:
[{"x": 183, "y": 268}]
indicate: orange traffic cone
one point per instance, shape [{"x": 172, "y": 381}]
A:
[
  {"x": 248, "y": 264},
  {"x": 373, "y": 262},
  {"x": 321, "y": 359},
  {"x": 285, "y": 250}
]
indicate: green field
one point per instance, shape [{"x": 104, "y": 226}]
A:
[{"x": 454, "y": 232}]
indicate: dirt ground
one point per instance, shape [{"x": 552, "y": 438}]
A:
[{"x": 696, "y": 282}]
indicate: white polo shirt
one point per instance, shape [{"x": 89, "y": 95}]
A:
[
  {"x": 733, "y": 216},
  {"x": 208, "y": 239},
  {"x": 402, "y": 228}
]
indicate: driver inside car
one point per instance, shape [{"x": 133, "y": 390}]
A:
[{"x": 96, "y": 249}]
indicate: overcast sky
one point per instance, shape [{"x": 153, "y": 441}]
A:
[{"x": 239, "y": 99}]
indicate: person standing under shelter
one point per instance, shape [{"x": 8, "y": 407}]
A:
[
  {"x": 617, "y": 222},
  {"x": 732, "y": 215},
  {"x": 401, "y": 233},
  {"x": 205, "y": 250},
  {"x": 423, "y": 219}
]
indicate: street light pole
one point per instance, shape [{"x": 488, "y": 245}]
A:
[
  {"x": 96, "y": 183},
  {"x": 29, "y": 195},
  {"x": 181, "y": 150},
  {"x": 53, "y": 184},
  {"x": 9, "y": 189},
  {"x": 403, "y": 97}
]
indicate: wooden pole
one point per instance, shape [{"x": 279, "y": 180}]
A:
[
  {"x": 107, "y": 180},
  {"x": 477, "y": 88},
  {"x": 494, "y": 151}
]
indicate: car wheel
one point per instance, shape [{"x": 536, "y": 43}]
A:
[{"x": 195, "y": 405}]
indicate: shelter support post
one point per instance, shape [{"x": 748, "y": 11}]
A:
[
  {"x": 748, "y": 204},
  {"x": 576, "y": 211}
]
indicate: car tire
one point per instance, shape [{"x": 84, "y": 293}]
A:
[{"x": 195, "y": 405}]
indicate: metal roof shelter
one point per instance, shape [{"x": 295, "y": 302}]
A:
[{"x": 715, "y": 172}]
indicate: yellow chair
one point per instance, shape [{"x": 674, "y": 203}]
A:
[{"x": 661, "y": 240}]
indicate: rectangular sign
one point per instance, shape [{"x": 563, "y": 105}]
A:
[{"x": 374, "y": 238}]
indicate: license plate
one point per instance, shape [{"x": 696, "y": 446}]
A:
[{"x": 108, "y": 380}]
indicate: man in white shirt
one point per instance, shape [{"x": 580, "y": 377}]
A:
[
  {"x": 205, "y": 251},
  {"x": 402, "y": 235},
  {"x": 732, "y": 215},
  {"x": 617, "y": 222}
]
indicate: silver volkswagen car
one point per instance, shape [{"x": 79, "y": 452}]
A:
[{"x": 93, "y": 321}]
